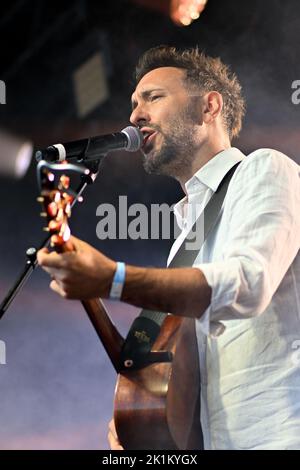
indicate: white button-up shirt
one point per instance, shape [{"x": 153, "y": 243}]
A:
[{"x": 249, "y": 337}]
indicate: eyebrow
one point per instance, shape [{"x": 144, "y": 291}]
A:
[{"x": 145, "y": 94}]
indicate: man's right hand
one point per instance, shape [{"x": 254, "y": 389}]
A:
[{"x": 113, "y": 438}]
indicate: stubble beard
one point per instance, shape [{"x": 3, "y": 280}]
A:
[{"x": 177, "y": 150}]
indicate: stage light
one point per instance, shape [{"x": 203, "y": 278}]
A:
[
  {"x": 15, "y": 155},
  {"x": 183, "y": 12}
]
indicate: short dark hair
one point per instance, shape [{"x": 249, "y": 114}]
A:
[{"x": 204, "y": 72}]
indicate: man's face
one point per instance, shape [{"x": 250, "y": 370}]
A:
[{"x": 169, "y": 117}]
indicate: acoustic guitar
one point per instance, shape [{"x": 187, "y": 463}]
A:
[{"x": 156, "y": 407}]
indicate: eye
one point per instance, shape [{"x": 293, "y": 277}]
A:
[{"x": 155, "y": 97}]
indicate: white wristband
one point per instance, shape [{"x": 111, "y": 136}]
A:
[{"x": 118, "y": 282}]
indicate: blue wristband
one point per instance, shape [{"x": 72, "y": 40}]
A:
[{"x": 118, "y": 282}]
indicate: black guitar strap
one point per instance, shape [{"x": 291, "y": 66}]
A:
[{"x": 145, "y": 328}]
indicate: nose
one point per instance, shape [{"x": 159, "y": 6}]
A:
[{"x": 139, "y": 116}]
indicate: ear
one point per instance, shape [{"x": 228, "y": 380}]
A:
[{"x": 212, "y": 106}]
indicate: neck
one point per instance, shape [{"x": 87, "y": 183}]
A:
[{"x": 205, "y": 154}]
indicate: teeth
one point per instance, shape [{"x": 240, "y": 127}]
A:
[{"x": 147, "y": 134}]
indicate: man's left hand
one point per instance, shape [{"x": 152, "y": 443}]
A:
[{"x": 84, "y": 273}]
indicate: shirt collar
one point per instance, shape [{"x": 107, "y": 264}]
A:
[
  {"x": 213, "y": 172},
  {"x": 209, "y": 176}
]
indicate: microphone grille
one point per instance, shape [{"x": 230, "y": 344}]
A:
[{"x": 135, "y": 138}]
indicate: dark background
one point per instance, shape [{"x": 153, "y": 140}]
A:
[{"x": 57, "y": 385}]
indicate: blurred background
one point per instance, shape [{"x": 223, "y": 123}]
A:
[{"x": 66, "y": 73}]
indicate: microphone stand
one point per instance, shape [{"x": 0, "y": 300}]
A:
[{"x": 31, "y": 262}]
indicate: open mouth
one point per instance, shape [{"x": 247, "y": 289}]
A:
[{"x": 149, "y": 136}]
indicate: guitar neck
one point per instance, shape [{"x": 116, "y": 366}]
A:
[
  {"x": 57, "y": 199},
  {"x": 105, "y": 329}
]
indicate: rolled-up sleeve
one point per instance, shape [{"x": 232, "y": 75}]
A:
[{"x": 261, "y": 239}]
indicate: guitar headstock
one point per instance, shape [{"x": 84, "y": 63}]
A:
[{"x": 57, "y": 198}]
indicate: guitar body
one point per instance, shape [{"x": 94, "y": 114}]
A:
[{"x": 157, "y": 407}]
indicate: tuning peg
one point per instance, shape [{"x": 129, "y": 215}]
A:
[
  {"x": 43, "y": 214},
  {"x": 40, "y": 199},
  {"x": 46, "y": 229},
  {"x": 52, "y": 209}
]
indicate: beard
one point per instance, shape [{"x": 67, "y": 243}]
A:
[{"x": 178, "y": 146}]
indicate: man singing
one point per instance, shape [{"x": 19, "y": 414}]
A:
[{"x": 243, "y": 287}]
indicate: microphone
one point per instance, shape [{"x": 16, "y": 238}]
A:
[{"x": 129, "y": 139}]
